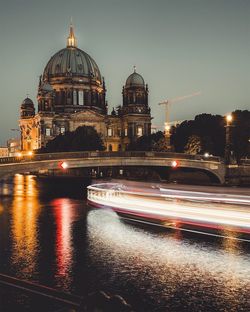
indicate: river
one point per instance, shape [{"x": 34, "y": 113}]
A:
[{"x": 49, "y": 235}]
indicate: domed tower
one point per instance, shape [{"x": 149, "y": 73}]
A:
[
  {"x": 135, "y": 95},
  {"x": 135, "y": 109},
  {"x": 27, "y": 109},
  {"x": 28, "y": 126},
  {"x": 71, "y": 82}
]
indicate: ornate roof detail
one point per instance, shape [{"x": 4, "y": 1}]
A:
[
  {"x": 72, "y": 62},
  {"x": 71, "y": 40}
]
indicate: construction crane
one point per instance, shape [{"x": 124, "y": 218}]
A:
[{"x": 168, "y": 104}]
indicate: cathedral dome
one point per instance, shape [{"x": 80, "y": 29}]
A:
[
  {"x": 72, "y": 80},
  {"x": 72, "y": 61},
  {"x": 135, "y": 80}
]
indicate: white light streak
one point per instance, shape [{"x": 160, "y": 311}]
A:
[{"x": 202, "y": 209}]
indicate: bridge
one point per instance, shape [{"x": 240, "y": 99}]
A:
[
  {"x": 12, "y": 165},
  {"x": 214, "y": 166}
]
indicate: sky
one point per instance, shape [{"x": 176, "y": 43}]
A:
[{"x": 179, "y": 46}]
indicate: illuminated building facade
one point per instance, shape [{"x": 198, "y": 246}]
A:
[
  {"x": 4, "y": 152},
  {"x": 72, "y": 93},
  {"x": 14, "y": 147}
]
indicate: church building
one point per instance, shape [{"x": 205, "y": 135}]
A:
[{"x": 72, "y": 93}]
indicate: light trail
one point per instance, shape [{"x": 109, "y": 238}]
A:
[{"x": 206, "y": 210}]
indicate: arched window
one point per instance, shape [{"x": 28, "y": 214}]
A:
[
  {"x": 80, "y": 97},
  {"x": 139, "y": 131},
  {"x": 74, "y": 97},
  {"x": 110, "y": 132}
]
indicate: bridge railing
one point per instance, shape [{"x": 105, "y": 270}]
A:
[{"x": 94, "y": 154}]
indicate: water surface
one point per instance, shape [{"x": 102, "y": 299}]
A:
[{"x": 49, "y": 235}]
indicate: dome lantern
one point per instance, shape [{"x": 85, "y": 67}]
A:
[{"x": 71, "y": 40}]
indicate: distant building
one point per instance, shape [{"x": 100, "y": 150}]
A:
[
  {"x": 14, "y": 147},
  {"x": 72, "y": 93},
  {"x": 4, "y": 151}
]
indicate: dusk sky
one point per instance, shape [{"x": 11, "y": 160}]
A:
[{"x": 178, "y": 46}]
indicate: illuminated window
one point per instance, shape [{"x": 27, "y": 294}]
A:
[
  {"x": 110, "y": 132},
  {"x": 80, "y": 97},
  {"x": 47, "y": 132},
  {"x": 126, "y": 131},
  {"x": 139, "y": 131},
  {"x": 62, "y": 130},
  {"x": 74, "y": 97}
]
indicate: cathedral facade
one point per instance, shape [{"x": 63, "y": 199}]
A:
[{"x": 72, "y": 93}]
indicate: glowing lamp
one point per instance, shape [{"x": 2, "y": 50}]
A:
[
  {"x": 206, "y": 155},
  {"x": 229, "y": 118},
  {"x": 63, "y": 165},
  {"x": 167, "y": 127},
  {"x": 19, "y": 154},
  {"x": 174, "y": 164},
  {"x": 30, "y": 153}
]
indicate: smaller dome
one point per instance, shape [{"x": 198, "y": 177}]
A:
[
  {"x": 27, "y": 102},
  {"x": 135, "y": 80},
  {"x": 27, "y": 108}
]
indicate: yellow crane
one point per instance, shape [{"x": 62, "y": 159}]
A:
[{"x": 168, "y": 104}]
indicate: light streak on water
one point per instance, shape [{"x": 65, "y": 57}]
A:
[
  {"x": 172, "y": 272},
  {"x": 209, "y": 210}
]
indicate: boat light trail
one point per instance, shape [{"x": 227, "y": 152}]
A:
[{"x": 209, "y": 210}]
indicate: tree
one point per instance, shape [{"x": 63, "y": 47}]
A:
[
  {"x": 161, "y": 145},
  {"x": 193, "y": 145},
  {"x": 147, "y": 142},
  {"x": 241, "y": 133},
  {"x": 84, "y": 138},
  {"x": 210, "y": 129}
]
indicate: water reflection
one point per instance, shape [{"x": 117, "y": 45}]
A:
[
  {"x": 24, "y": 227},
  {"x": 180, "y": 275},
  {"x": 44, "y": 239},
  {"x": 64, "y": 216}
]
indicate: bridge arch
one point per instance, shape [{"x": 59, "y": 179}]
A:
[{"x": 109, "y": 159}]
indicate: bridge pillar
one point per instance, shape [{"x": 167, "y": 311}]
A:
[{"x": 232, "y": 175}]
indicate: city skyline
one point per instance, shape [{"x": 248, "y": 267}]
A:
[{"x": 179, "y": 48}]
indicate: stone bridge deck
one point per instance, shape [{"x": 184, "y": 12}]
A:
[{"x": 12, "y": 165}]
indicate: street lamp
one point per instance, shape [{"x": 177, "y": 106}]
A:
[
  {"x": 229, "y": 119},
  {"x": 229, "y": 153}
]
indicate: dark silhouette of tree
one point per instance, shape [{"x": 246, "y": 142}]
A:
[
  {"x": 84, "y": 138},
  {"x": 146, "y": 142},
  {"x": 193, "y": 146},
  {"x": 211, "y": 130},
  {"x": 241, "y": 133}
]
